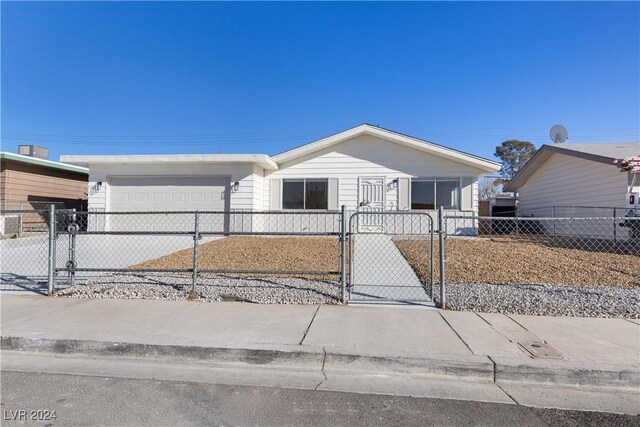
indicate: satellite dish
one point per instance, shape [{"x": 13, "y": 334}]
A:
[{"x": 559, "y": 134}]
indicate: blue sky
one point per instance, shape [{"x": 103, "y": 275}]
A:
[{"x": 125, "y": 78}]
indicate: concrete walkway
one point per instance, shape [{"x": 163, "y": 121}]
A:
[
  {"x": 392, "y": 350},
  {"x": 380, "y": 273}
]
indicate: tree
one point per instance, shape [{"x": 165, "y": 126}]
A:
[
  {"x": 514, "y": 154},
  {"x": 489, "y": 187}
]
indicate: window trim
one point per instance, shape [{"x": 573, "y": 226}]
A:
[
  {"x": 304, "y": 193},
  {"x": 435, "y": 194}
]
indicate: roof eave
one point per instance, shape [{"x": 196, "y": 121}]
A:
[
  {"x": 261, "y": 160},
  {"x": 51, "y": 164}
]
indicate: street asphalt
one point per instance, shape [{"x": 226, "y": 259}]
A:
[{"x": 90, "y": 400}]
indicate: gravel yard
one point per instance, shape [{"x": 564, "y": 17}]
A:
[
  {"x": 259, "y": 253},
  {"x": 545, "y": 300},
  {"x": 496, "y": 275},
  {"x": 502, "y": 261},
  {"x": 176, "y": 286}
]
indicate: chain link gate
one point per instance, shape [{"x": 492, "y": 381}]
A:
[{"x": 392, "y": 262}]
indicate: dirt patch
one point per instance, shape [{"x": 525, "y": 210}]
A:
[
  {"x": 258, "y": 253},
  {"x": 505, "y": 261}
]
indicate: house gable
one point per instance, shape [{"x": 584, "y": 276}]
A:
[
  {"x": 391, "y": 138},
  {"x": 371, "y": 155}
]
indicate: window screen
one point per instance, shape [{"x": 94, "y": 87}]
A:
[
  {"x": 432, "y": 194},
  {"x": 316, "y": 194},
  {"x": 422, "y": 195},
  {"x": 292, "y": 194},
  {"x": 447, "y": 194},
  {"x": 305, "y": 193}
]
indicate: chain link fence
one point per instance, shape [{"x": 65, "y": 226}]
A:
[
  {"x": 19, "y": 218},
  {"x": 391, "y": 257},
  {"x": 24, "y": 236},
  {"x": 573, "y": 251},
  {"x": 338, "y": 255},
  {"x": 194, "y": 249}
]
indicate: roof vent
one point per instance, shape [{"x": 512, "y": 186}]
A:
[{"x": 34, "y": 151}]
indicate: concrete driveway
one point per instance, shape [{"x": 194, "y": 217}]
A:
[{"x": 23, "y": 262}]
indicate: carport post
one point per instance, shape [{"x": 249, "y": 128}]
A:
[
  {"x": 443, "y": 301},
  {"x": 52, "y": 248},
  {"x": 343, "y": 253}
]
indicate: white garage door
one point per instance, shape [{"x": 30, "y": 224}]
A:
[{"x": 168, "y": 193}]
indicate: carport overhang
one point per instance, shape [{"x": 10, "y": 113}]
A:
[{"x": 261, "y": 160}]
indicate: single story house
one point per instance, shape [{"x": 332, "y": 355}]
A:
[
  {"x": 573, "y": 175},
  {"x": 576, "y": 180},
  {"x": 28, "y": 183},
  {"x": 366, "y": 166}
]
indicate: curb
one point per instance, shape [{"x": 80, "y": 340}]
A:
[
  {"x": 470, "y": 367},
  {"x": 261, "y": 357},
  {"x": 546, "y": 371},
  {"x": 467, "y": 367}
]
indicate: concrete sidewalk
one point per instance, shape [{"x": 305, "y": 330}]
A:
[
  {"x": 570, "y": 363},
  {"x": 479, "y": 340}
]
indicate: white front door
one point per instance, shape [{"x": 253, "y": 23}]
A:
[{"x": 371, "y": 200}]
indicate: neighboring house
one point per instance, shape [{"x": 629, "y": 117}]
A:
[
  {"x": 32, "y": 183},
  {"x": 573, "y": 180},
  {"x": 564, "y": 175},
  {"x": 363, "y": 166}
]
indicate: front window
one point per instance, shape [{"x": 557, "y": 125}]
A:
[
  {"x": 429, "y": 194},
  {"x": 305, "y": 193}
]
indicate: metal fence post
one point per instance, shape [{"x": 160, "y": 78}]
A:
[
  {"x": 343, "y": 253},
  {"x": 441, "y": 232},
  {"x": 52, "y": 248},
  {"x": 553, "y": 215},
  {"x": 431, "y": 254},
  {"x": 21, "y": 219},
  {"x": 194, "y": 273}
]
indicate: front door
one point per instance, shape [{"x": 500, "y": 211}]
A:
[{"x": 371, "y": 202}]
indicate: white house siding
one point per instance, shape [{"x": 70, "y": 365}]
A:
[
  {"x": 367, "y": 156},
  {"x": 571, "y": 181},
  {"x": 242, "y": 198}
]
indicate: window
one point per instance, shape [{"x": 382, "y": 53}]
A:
[
  {"x": 423, "y": 195},
  {"x": 305, "y": 193},
  {"x": 429, "y": 194}
]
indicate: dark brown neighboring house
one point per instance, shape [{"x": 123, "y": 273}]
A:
[{"x": 30, "y": 184}]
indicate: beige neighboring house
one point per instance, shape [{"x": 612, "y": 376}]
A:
[
  {"x": 28, "y": 183},
  {"x": 577, "y": 181},
  {"x": 573, "y": 175}
]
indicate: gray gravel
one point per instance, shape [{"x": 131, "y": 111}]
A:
[
  {"x": 540, "y": 300},
  {"x": 210, "y": 288},
  {"x": 545, "y": 300}
]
